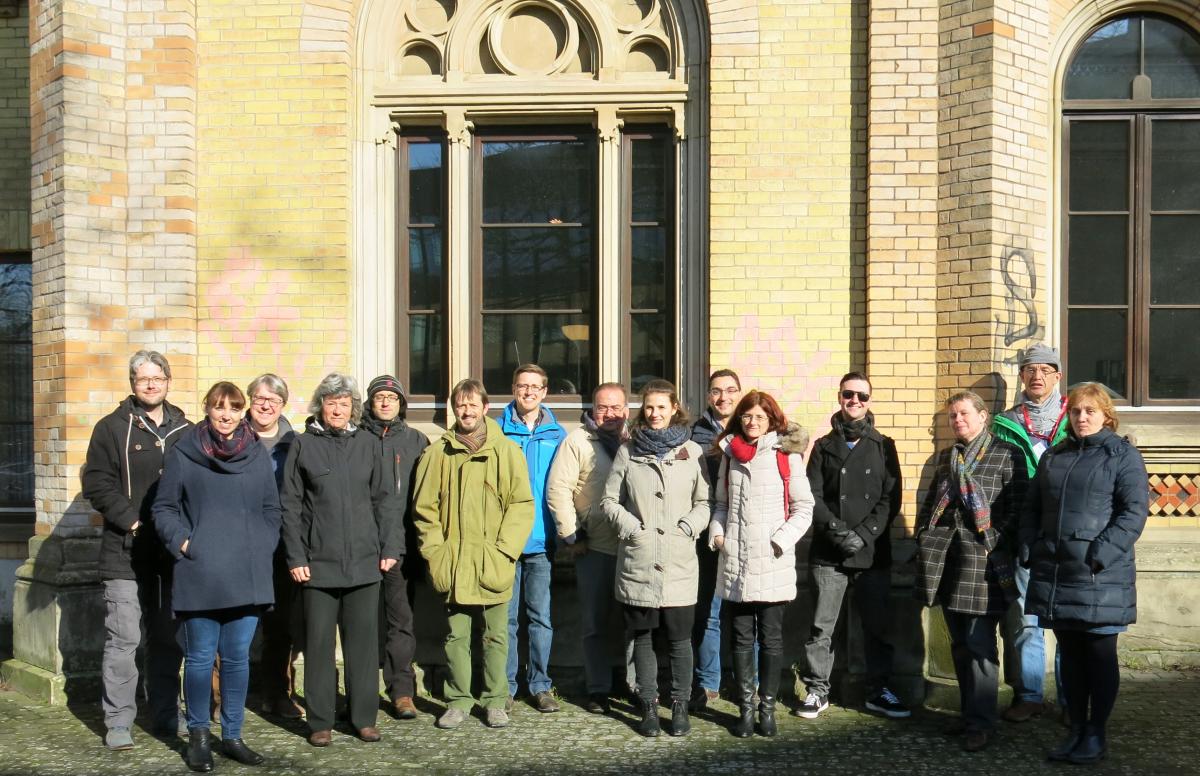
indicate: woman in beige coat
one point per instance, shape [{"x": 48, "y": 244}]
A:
[
  {"x": 763, "y": 507},
  {"x": 657, "y": 497}
]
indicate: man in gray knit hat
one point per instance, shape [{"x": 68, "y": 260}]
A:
[{"x": 1034, "y": 425}]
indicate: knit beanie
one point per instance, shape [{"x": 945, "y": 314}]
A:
[{"x": 386, "y": 383}]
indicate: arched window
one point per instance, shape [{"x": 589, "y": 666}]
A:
[{"x": 1131, "y": 224}]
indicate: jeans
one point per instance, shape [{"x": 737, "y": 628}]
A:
[
  {"x": 871, "y": 590},
  {"x": 595, "y": 573},
  {"x": 976, "y": 666},
  {"x": 1024, "y": 647},
  {"x": 126, "y": 604},
  {"x": 400, "y": 643},
  {"x": 706, "y": 632},
  {"x": 531, "y": 591},
  {"x": 458, "y": 655},
  {"x": 227, "y": 633}
]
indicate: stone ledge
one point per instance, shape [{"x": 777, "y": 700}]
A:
[{"x": 47, "y": 687}]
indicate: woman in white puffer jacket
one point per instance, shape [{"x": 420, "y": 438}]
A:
[{"x": 763, "y": 507}]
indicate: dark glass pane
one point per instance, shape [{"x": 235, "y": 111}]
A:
[
  {"x": 1105, "y": 64},
  {"x": 1175, "y": 167},
  {"x": 425, "y": 268},
  {"x": 650, "y": 166},
  {"x": 648, "y": 275},
  {"x": 1096, "y": 259},
  {"x": 16, "y": 302},
  {"x": 1174, "y": 353},
  {"x": 425, "y": 355},
  {"x": 425, "y": 198},
  {"x": 1096, "y": 347},
  {"x": 648, "y": 349},
  {"x": 1175, "y": 260},
  {"x": 537, "y": 268},
  {"x": 16, "y": 465},
  {"x": 560, "y": 344},
  {"x": 1099, "y": 166},
  {"x": 16, "y": 383},
  {"x": 1172, "y": 59},
  {"x": 538, "y": 182},
  {"x": 16, "y": 422}
]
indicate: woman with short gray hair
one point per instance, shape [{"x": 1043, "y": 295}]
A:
[{"x": 342, "y": 531}]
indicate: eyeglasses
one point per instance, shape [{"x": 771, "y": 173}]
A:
[
  {"x": 266, "y": 401},
  {"x": 157, "y": 382},
  {"x": 528, "y": 388},
  {"x": 862, "y": 397},
  {"x": 728, "y": 391},
  {"x": 1040, "y": 371},
  {"x": 386, "y": 398},
  {"x": 756, "y": 420}
]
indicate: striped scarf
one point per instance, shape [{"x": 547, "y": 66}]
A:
[
  {"x": 963, "y": 460},
  {"x": 473, "y": 440}
]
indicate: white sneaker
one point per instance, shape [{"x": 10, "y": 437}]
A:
[{"x": 812, "y": 707}]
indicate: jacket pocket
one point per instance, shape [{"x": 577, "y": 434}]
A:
[
  {"x": 497, "y": 571},
  {"x": 441, "y": 569}
]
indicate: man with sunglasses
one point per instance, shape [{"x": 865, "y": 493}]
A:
[
  {"x": 854, "y": 472},
  {"x": 1034, "y": 425}
]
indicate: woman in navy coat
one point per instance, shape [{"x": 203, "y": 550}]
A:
[
  {"x": 1089, "y": 505},
  {"x": 217, "y": 512}
]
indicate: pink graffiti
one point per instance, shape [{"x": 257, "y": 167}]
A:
[{"x": 767, "y": 356}]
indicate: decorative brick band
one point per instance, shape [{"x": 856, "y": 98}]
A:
[{"x": 1175, "y": 495}]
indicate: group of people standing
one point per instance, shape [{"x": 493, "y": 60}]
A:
[{"x": 680, "y": 527}]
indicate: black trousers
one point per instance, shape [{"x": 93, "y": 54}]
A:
[
  {"x": 752, "y": 621},
  {"x": 354, "y": 612},
  {"x": 676, "y": 621},
  {"x": 1091, "y": 674},
  {"x": 399, "y": 642}
]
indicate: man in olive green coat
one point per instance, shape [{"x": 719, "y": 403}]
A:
[{"x": 473, "y": 511}]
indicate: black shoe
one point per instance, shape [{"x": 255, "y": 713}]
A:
[
  {"x": 236, "y": 749},
  {"x": 680, "y": 724},
  {"x": 1091, "y": 747},
  {"x": 597, "y": 703},
  {"x": 766, "y": 716},
  {"x": 648, "y": 727},
  {"x": 1067, "y": 745},
  {"x": 199, "y": 750}
]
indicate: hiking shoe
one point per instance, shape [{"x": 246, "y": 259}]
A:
[
  {"x": 545, "y": 703},
  {"x": 403, "y": 707},
  {"x": 118, "y": 739},
  {"x": 886, "y": 703},
  {"x": 495, "y": 718},
  {"x": 451, "y": 718},
  {"x": 597, "y": 703},
  {"x": 812, "y": 707}
]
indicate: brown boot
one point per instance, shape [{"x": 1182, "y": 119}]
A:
[{"x": 403, "y": 708}]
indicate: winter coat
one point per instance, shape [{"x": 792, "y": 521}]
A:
[
  {"x": 1088, "y": 506},
  {"x": 658, "y": 508},
  {"x": 857, "y": 489},
  {"x": 341, "y": 515},
  {"x": 749, "y": 512},
  {"x": 575, "y": 488},
  {"x": 957, "y": 566},
  {"x": 705, "y": 431},
  {"x": 1010, "y": 426},
  {"x": 473, "y": 513},
  {"x": 228, "y": 513},
  {"x": 400, "y": 447},
  {"x": 539, "y": 446},
  {"x": 120, "y": 476},
  {"x": 278, "y": 451}
]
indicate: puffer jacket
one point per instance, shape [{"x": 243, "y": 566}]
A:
[
  {"x": 658, "y": 508},
  {"x": 473, "y": 513},
  {"x": 120, "y": 477},
  {"x": 341, "y": 515},
  {"x": 575, "y": 488},
  {"x": 539, "y": 445},
  {"x": 1088, "y": 507},
  {"x": 749, "y": 512}
]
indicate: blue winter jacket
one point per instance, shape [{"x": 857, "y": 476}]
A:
[{"x": 539, "y": 447}]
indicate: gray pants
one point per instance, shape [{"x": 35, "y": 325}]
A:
[
  {"x": 871, "y": 590},
  {"x": 976, "y": 666},
  {"x": 595, "y": 574},
  {"x": 127, "y": 604}
]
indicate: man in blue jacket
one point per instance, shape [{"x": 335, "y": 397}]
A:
[{"x": 536, "y": 431}]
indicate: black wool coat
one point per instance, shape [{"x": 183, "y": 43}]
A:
[{"x": 1088, "y": 506}]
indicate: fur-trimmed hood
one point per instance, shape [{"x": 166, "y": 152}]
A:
[{"x": 794, "y": 439}]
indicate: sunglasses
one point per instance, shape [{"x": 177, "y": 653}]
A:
[{"x": 863, "y": 397}]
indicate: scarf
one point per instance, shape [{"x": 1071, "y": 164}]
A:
[
  {"x": 216, "y": 446},
  {"x": 742, "y": 450},
  {"x": 851, "y": 430},
  {"x": 473, "y": 440},
  {"x": 964, "y": 457},
  {"x": 1045, "y": 416},
  {"x": 658, "y": 442},
  {"x": 610, "y": 439}
]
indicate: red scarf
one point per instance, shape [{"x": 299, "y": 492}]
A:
[{"x": 742, "y": 450}]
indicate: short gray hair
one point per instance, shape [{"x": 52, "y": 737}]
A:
[
  {"x": 273, "y": 382},
  {"x": 143, "y": 357},
  {"x": 337, "y": 384}
]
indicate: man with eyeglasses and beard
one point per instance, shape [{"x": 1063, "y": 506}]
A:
[{"x": 854, "y": 472}]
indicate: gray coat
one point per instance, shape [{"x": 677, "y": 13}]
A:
[{"x": 658, "y": 508}]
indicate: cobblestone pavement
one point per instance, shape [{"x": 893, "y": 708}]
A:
[{"x": 1153, "y": 731}]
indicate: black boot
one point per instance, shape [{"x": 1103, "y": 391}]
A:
[
  {"x": 743, "y": 675},
  {"x": 648, "y": 727},
  {"x": 1067, "y": 745},
  {"x": 236, "y": 749},
  {"x": 199, "y": 751},
  {"x": 768, "y": 689},
  {"x": 680, "y": 724},
  {"x": 1091, "y": 747}
]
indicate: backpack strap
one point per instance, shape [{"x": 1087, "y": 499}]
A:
[{"x": 785, "y": 472}]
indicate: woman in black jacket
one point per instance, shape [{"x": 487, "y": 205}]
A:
[
  {"x": 342, "y": 531},
  {"x": 217, "y": 513},
  {"x": 1089, "y": 504}
]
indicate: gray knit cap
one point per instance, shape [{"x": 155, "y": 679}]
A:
[{"x": 1041, "y": 353}]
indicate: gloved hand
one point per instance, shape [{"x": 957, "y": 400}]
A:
[{"x": 848, "y": 542}]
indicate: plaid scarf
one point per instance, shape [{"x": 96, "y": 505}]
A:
[
  {"x": 474, "y": 439},
  {"x": 216, "y": 446},
  {"x": 963, "y": 460}
]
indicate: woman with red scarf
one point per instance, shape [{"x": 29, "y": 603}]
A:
[
  {"x": 217, "y": 513},
  {"x": 763, "y": 507}
]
